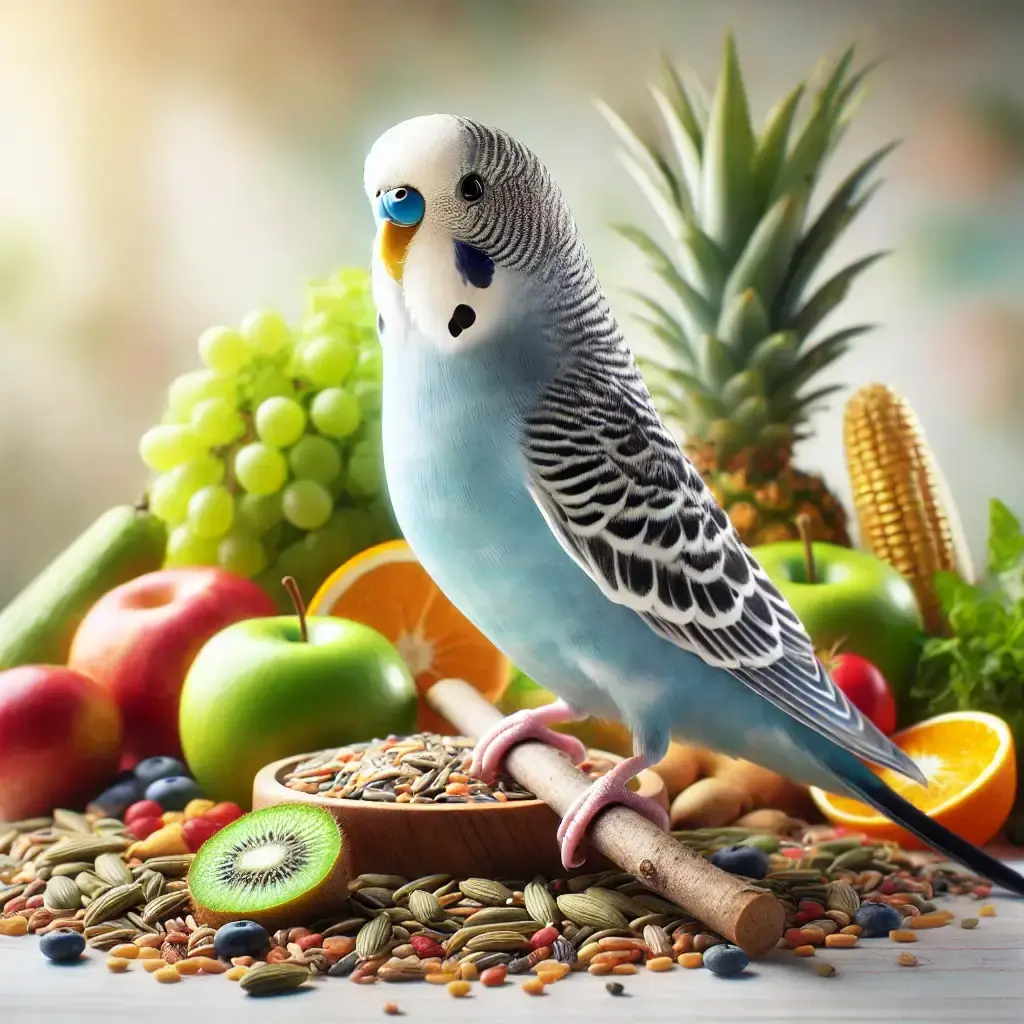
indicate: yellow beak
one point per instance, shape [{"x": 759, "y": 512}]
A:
[{"x": 393, "y": 245}]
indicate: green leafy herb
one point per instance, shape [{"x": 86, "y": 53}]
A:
[{"x": 980, "y": 666}]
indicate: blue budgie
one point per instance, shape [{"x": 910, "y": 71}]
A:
[{"x": 536, "y": 483}]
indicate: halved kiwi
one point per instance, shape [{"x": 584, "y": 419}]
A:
[{"x": 278, "y": 866}]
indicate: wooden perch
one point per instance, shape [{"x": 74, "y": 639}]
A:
[{"x": 747, "y": 916}]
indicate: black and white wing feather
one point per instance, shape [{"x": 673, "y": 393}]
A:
[{"x": 632, "y": 510}]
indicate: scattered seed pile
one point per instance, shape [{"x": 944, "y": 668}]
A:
[
  {"x": 421, "y": 769},
  {"x": 70, "y": 879}
]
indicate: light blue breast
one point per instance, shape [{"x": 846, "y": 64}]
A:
[{"x": 458, "y": 486}]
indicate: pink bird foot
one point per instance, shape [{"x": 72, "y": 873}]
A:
[
  {"x": 533, "y": 724},
  {"x": 611, "y": 788}
]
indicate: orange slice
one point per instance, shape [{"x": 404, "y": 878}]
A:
[
  {"x": 386, "y": 588},
  {"x": 969, "y": 761}
]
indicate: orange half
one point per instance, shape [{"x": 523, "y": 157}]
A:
[
  {"x": 968, "y": 758},
  {"x": 386, "y": 588}
]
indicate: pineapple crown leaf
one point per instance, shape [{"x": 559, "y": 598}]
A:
[
  {"x": 771, "y": 150},
  {"x": 743, "y": 323},
  {"x": 687, "y": 148},
  {"x": 830, "y": 294},
  {"x": 665, "y": 327}
]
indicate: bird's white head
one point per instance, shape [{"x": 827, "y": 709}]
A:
[{"x": 469, "y": 224}]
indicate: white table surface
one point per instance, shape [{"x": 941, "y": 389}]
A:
[{"x": 963, "y": 976}]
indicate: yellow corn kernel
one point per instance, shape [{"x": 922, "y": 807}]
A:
[{"x": 905, "y": 517}]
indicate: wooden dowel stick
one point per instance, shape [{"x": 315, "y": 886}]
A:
[{"x": 750, "y": 917}]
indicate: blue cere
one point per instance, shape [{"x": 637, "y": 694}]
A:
[
  {"x": 475, "y": 267},
  {"x": 403, "y": 206}
]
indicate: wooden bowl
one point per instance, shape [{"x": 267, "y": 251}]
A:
[{"x": 500, "y": 840}]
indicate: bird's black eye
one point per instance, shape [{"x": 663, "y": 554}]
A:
[{"x": 471, "y": 188}]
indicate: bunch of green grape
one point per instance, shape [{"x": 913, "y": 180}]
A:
[{"x": 268, "y": 462}]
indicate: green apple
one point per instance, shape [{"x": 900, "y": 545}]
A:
[
  {"x": 857, "y": 603},
  {"x": 264, "y": 689}
]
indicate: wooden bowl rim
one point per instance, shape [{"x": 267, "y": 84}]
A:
[{"x": 267, "y": 780}]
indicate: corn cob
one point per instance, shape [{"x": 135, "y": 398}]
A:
[{"x": 897, "y": 495}]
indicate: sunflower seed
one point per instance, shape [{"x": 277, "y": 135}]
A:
[
  {"x": 112, "y": 869},
  {"x": 80, "y": 849},
  {"x": 72, "y": 868},
  {"x": 586, "y": 910},
  {"x": 498, "y": 942},
  {"x": 7, "y": 837},
  {"x": 621, "y": 902},
  {"x": 112, "y": 938},
  {"x": 269, "y": 979},
  {"x": 658, "y": 941},
  {"x": 425, "y": 906},
  {"x": 62, "y": 894},
  {"x": 483, "y": 890},
  {"x": 373, "y": 937},
  {"x": 842, "y": 897},
  {"x": 389, "y": 882},
  {"x": 427, "y": 882},
  {"x": 71, "y": 821},
  {"x": 349, "y": 926},
  {"x": 91, "y": 885},
  {"x": 463, "y": 935},
  {"x": 498, "y": 915},
  {"x": 113, "y": 902},
  {"x": 152, "y": 883},
  {"x": 345, "y": 966},
  {"x": 175, "y": 866},
  {"x": 164, "y": 906},
  {"x": 540, "y": 904}
]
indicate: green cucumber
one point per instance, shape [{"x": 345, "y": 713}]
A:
[{"x": 37, "y": 627}]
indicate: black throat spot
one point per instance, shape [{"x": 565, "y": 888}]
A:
[{"x": 463, "y": 317}]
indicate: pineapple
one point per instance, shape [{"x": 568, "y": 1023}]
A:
[{"x": 738, "y": 368}]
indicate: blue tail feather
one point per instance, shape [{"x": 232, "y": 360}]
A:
[{"x": 872, "y": 790}]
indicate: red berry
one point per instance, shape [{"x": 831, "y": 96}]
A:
[
  {"x": 792, "y": 852},
  {"x": 224, "y": 812},
  {"x": 142, "y": 827},
  {"x": 142, "y": 809},
  {"x": 197, "y": 830},
  {"x": 314, "y": 941},
  {"x": 426, "y": 947},
  {"x": 811, "y": 907}
]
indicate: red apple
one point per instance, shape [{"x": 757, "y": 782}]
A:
[
  {"x": 866, "y": 689},
  {"x": 60, "y": 740},
  {"x": 139, "y": 640}
]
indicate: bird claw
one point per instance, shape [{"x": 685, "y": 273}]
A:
[
  {"x": 492, "y": 747},
  {"x": 609, "y": 789}
]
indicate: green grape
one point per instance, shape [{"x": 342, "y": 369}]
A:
[
  {"x": 186, "y": 391},
  {"x": 370, "y": 365},
  {"x": 260, "y": 469},
  {"x": 211, "y": 511},
  {"x": 329, "y": 548},
  {"x": 280, "y": 422},
  {"x": 258, "y": 514},
  {"x": 369, "y": 395},
  {"x": 241, "y": 554},
  {"x": 171, "y": 492},
  {"x": 223, "y": 350},
  {"x": 168, "y": 445},
  {"x": 216, "y": 422},
  {"x": 355, "y": 524},
  {"x": 185, "y": 548},
  {"x": 335, "y": 413},
  {"x": 365, "y": 476},
  {"x": 315, "y": 458},
  {"x": 266, "y": 332},
  {"x": 306, "y": 504},
  {"x": 327, "y": 360},
  {"x": 269, "y": 383}
]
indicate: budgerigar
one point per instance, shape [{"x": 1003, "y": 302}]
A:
[{"x": 536, "y": 483}]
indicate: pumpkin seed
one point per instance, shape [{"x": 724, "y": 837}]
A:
[
  {"x": 90, "y": 884},
  {"x": 62, "y": 894},
  {"x": 175, "y": 866},
  {"x": 270, "y": 979},
  {"x": 486, "y": 891},
  {"x": 463, "y": 935},
  {"x": 389, "y": 882},
  {"x": 113, "y": 902},
  {"x": 498, "y": 915},
  {"x": 72, "y": 868},
  {"x": 585, "y": 909},
  {"x": 80, "y": 849},
  {"x": 540, "y": 904},
  {"x": 373, "y": 937},
  {"x": 425, "y": 906},
  {"x": 112, "y": 869},
  {"x": 620, "y": 901}
]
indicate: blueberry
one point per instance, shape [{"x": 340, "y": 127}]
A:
[
  {"x": 240, "y": 938},
  {"x": 114, "y": 801},
  {"x": 153, "y": 768},
  {"x": 62, "y": 946},
  {"x": 742, "y": 860},
  {"x": 172, "y": 794},
  {"x": 726, "y": 961},
  {"x": 877, "y": 919}
]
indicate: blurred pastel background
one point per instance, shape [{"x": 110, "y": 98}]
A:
[{"x": 170, "y": 164}]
